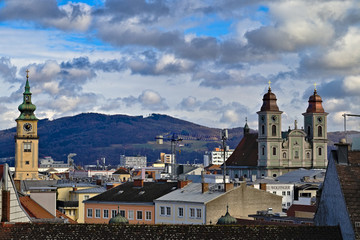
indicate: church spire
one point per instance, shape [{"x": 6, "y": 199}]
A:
[{"x": 27, "y": 108}]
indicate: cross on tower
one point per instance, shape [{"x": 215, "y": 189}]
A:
[
  {"x": 315, "y": 86},
  {"x": 27, "y": 73},
  {"x": 269, "y": 84}
]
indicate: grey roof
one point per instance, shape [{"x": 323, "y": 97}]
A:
[
  {"x": 26, "y": 185},
  {"x": 192, "y": 193},
  {"x": 297, "y": 175},
  {"x": 269, "y": 181},
  {"x": 91, "y": 190},
  {"x": 75, "y": 184}
]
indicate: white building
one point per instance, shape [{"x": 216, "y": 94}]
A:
[
  {"x": 216, "y": 157},
  {"x": 133, "y": 162}
]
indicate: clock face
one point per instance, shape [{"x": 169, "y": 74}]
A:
[
  {"x": 27, "y": 127},
  {"x": 319, "y": 119},
  {"x": 273, "y": 117}
]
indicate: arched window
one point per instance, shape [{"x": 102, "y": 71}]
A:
[
  {"x": 274, "y": 175},
  {"x": 262, "y": 129},
  {"x": 307, "y": 155},
  {"x": 296, "y": 154},
  {"x": 319, "y": 131},
  {"x": 263, "y": 150},
  {"x": 273, "y": 130},
  {"x": 308, "y": 131},
  {"x": 274, "y": 150},
  {"x": 320, "y": 151},
  {"x": 284, "y": 155}
]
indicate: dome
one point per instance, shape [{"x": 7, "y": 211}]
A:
[
  {"x": 315, "y": 104},
  {"x": 118, "y": 219},
  {"x": 269, "y": 102},
  {"x": 227, "y": 219}
]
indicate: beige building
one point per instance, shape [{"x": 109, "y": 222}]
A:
[
  {"x": 26, "y": 139},
  {"x": 202, "y": 203}
]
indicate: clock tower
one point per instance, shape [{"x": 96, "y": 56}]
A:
[{"x": 26, "y": 138}]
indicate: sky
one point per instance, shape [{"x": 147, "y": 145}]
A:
[{"x": 204, "y": 61}]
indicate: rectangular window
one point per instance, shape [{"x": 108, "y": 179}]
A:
[
  {"x": 139, "y": 215},
  {"x": 27, "y": 162},
  {"x": 192, "y": 212},
  {"x": 288, "y": 193},
  {"x": 89, "y": 213},
  {"x": 27, "y": 147},
  {"x": 113, "y": 213},
  {"x": 198, "y": 213},
  {"x": 148, "y": 215},
  {"x": 162, "y": 211},
  {"x": 168, "y": 211},
  {"x": 283, "y": 193},
  {"x": 181, "y": 212},
  {"x": 274, "y": 192},
  {"x": 97, "y": 213},
  {"x": 288, "y": 204},
  {"x": 131, "y": 214},
  {"x": 122, "y": 213},
  {"x": 106, "y": 213}
]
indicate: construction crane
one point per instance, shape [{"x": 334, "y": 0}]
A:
[{"x": 348, "y": 115}]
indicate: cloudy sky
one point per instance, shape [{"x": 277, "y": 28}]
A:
[{"x": 206, "y": 61}]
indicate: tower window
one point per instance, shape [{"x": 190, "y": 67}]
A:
[
  {"x": 320, "y": 151},
  {"x": 307, "y": 155},
  {"x": 262, "y": 129},
  {"x": 263, "y": 150},
  {"x": 274, "y": 150},
  {"x": 308, "y": 131},
  {"x": 27, "y": 162},
  {"x": 284, "y": 155},
  {"x": 273, "y": 130},
  {"x": 319, "y": 131},
  {"x": 296, "y": 154},
  {"x": 27, "y": 147}
]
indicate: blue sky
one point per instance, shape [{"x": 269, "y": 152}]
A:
[{"x": 205, "y": 61}]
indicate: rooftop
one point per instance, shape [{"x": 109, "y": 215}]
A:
[{"x": 246, "y": 152}]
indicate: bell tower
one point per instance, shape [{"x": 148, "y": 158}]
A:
[
  {"x": 315, "y": 122},
  {"x": 269, "y": 138},
  {"x": 26, "y": 138}
]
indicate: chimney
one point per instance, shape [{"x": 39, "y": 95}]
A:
[
  {"x": 204, "y": 187},
  {"x": 342, "y": 151},
  {"x": 263, "y": 186},
  {"x": 138, "y": 182},
  {"x": 183, "y": 183},
  {"x": 228, "y": 186}
]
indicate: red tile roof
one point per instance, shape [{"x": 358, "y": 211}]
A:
[
  {"x": 246, "y": 152},
  {"x": 349, "y": 176},
  {"x": 300, "y": 208},
  {"x": 34, "y": 209}
]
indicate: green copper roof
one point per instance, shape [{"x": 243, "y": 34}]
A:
[
  {"x": 118, "y": 219},
  {"x": 227, "y": 219},
  {"x": 27, "y": 108}
]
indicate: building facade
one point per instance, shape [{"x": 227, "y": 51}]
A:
[
  {"x": 133, "y": 162},
  {"x": 272, "y": 152},
  {"x": 216, "y": 156},
  {"x": 26, "y": 139}
]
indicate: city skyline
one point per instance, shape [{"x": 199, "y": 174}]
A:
[{"x": 207, "y": 62}]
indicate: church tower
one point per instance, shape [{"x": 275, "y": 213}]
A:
[
  {"x": 26, "y": 138},
  {"x": 269, "y": 138},
  {"x": 315, "y": 123}
]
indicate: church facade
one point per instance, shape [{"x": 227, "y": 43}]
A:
[
  {"x": 26, "y": 139},
  {"x": 272, "y": 152}
]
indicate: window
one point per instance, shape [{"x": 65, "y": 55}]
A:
[
  {"x": 198, "y": 213},
  {"x": 288, "y": 193},
  {"x": 273, "y": 128},
  {"x": 263, "y": 150},
  {"x": 86, "y": 197},
  {"x": 192, "y": 212},
  {"x": 296, "y": 154},
  {"x": 113, "y": 213},
  {"x": 320, "y": 151},
  {"x": 274, "y": 175},
  {"x": 181, "y": 212},
  {"x": 307, "y": 155},
  {"x": 27, "y": 147},
  {"x": 274, "y": 192},
  {"x": 97, "y": 213},
  {"x": 274, "y": 150},
  {"x": 139, "y": 215},
  {"x": 308, "y": 131},
  {"x": 27, "y": 162},
  {"x": 319, "y": 131},
  {"x": 106, "y": 213},
  {"x": 147, "y": 215},
  {"x": 283, "y": 193},
  {"x": 262, "y": 129},
  {"x": 162, "y": 211},
  {"x": 122, "y": 213},
  {"x": 284, "y": 155},
  {"x": 288, "y": 204},
  {"x": 89, "y": 213},
  {"x": 168, "y": 211},
  {"x": 131, "y": 214},
  {"x": 307, "y": 195}
]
